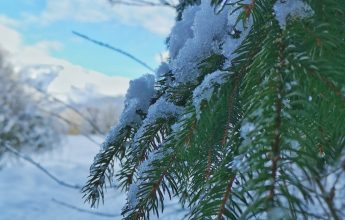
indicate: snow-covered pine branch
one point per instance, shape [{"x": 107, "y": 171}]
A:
[{"x": 257, "y": 126}]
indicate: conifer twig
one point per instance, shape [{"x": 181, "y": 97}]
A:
[{"x": 225, "y": 197}]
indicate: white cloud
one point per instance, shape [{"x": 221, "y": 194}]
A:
[
  {"x": 70, "y": 76},
  {"x": 79, "y": 10},
  {"x": 9, "y": 38},
  {"x": 8, "y": 21},
  {"x": 156, "y": 19}
]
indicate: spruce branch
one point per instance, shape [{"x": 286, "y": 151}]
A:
[
  {"x": 225, "y": 198},
  {"x": 252, "y": 148},
  {"x": 328, "y": 198},
  {"x": 102, "y": 167},
  {"x": 275, "y": 157}
]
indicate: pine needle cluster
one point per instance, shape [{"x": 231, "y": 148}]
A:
[{"x": 255, "y": 134}]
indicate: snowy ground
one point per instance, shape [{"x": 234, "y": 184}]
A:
[{"x": 26, "y": 193}]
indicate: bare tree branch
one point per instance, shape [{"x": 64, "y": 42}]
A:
[
  {"x": 89, "y": 121},
  {"x": 53, "y": 114},
  {"x": 93, "y": 125},
  {"x": 142, "y": 3},
  {"x": 114, "y": 49},
  {"x": 85, "y": 210},
  {"x": 44, "y": 170}
]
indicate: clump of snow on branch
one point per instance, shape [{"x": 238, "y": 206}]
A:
[
  {"x": 137, "y": 102},
  {"x": 205, "y": 90},
  {"x": 161, "y": 109},
  {"x": 202, "y": 32},
  {"x": 162, "y": 69},
  {"x": 293, "y": 8},
  {"x": 208, "y": 30},
  {"x": 179, "y": 125},
  {"x": 182, "y": 31},
  {"x": 138, "y": 97}
]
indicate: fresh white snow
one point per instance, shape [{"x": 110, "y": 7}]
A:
[
  {"x": 26, "y": 193},
  {"x": 207, "y": 29},
  {"x": 138, "y": 98},
  {"x": 161, "y": 109}
]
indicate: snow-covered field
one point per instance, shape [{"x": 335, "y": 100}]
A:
[{"x": 26, "y": 193}]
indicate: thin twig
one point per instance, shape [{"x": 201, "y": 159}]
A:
[
  {"x": 143, "y": 3},
  {"x": 40, "y": 167},
  {"x": 226, "y": 197},
  {"x": 89, "y": 121},
  {"x": 85, "y": 210},
  {"x": 102, "y": 44},
  {"x": 329, "y": 200},
  {"x": 93, "y": 125},
  {"x": 70, "y": 123}
]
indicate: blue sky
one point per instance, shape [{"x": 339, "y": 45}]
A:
[{"x": 134, "y": 30}]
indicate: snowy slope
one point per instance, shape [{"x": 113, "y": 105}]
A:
[
  {"x": 68, "y": 80},
  {"x": 26, "y": 193}
]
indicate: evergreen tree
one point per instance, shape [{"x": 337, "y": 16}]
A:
[{"x": 245, "y": 121}]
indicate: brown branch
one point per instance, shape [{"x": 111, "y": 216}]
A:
[
  {"x": 209, "y": 163},
  {"x": 248, "y": 8},
  {"x": 139, "y": 210},
  {"x": 157, "y": 184},
  {"x": 328, "y": 198},
  {"x": 225, "y": 198},
  {"x": 190, "y": 133},
  {"x": 275, "y": 157},
  {"x": 231, "y": 103},
  {"x": 238, "y": 77}
]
